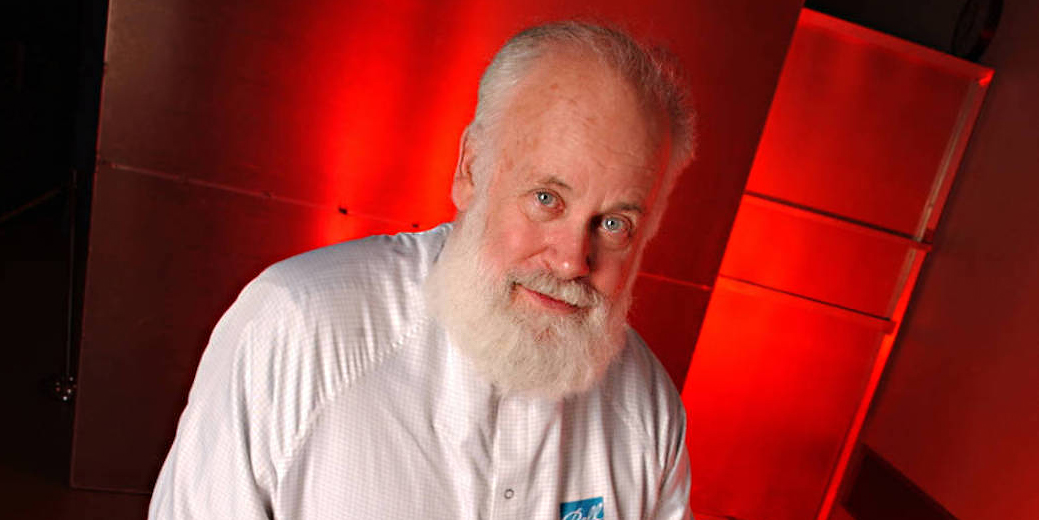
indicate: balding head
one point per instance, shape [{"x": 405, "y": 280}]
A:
[{"x": 651, "y": 73}]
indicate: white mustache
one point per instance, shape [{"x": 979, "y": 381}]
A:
[{"x": 576, "y": 293}]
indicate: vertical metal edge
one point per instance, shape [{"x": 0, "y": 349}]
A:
[
  {"x": 952, "y": 156},
  {"x": 88, "y": 163},
  {"x": 876, "y": 373}
]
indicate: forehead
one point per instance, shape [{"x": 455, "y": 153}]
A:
[{"x": 572, "y": 119}]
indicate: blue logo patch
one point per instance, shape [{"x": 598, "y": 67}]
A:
[{"x": 587, "y": 509}]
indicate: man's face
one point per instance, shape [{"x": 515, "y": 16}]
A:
[
  {"x": 572, "y": 184},
  {"x": 533, "y": 284}
]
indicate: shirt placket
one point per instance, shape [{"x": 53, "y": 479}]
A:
[{"x": 512, "y": 460}]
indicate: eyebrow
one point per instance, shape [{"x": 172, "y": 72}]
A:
[
  {"x": 628, "y": 206},
  {"x": 555, "y": 181}
]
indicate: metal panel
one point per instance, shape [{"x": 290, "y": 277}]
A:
[
  {"x": 866, "y": 126},
  {"x": 770, "y": 392},
  {"x": 843, "y": 265},
  {"x": 857, "y": 157},
  {"x": 667, "y": 313}
]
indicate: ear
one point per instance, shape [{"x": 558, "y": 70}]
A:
[{"x": 464, "y": 186}]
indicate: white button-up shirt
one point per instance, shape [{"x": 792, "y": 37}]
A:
[{"x": 328, "y": 392}]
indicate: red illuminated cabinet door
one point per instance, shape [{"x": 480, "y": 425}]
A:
[{"x": 861, "y": 144}]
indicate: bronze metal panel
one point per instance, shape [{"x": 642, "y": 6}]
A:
[{"x": 167, "y": 258}]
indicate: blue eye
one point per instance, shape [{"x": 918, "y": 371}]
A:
[
  {"x": 545, "y": 198},
  {"x": 614, "y": 224}
]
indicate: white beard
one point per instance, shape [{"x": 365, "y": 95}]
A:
[{"x": 518, "y": 349}]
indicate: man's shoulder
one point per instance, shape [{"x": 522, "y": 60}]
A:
[
  {"x": 353, "y": 300},
  {"x": 365, "y": 265},
  {"x": 639, "y": 387}
]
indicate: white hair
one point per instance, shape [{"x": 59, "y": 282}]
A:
[{"x": 652, "y": 72}]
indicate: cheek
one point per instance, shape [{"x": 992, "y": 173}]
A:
[
  {"x": 608, "y": 280},
  {"x": 510, "y": 241},
  {"x": 613, "y": 273}
]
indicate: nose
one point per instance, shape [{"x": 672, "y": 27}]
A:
[{"x": 569, "y": 254}]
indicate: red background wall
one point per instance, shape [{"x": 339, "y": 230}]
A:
[
  {"x": 958, "y": 412},
  {"x": 237, "y": 133}
]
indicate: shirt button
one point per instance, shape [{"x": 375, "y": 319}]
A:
[{"x": 509, "y": 493}]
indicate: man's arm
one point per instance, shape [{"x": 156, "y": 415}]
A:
[
  {"x": 674, "y": 486},
  {"x": 221, "y": 463}
]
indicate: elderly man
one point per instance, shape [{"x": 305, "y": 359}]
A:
[{"x": 477, "y": 370}]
